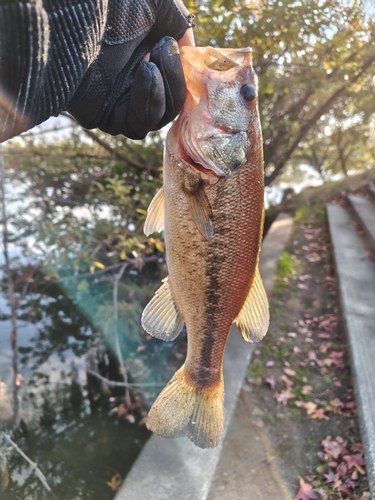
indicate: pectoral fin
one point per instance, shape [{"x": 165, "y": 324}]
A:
[
  {"x": 155, "y": 214},
  {"x": 161, "y": 318},
  {"x": 201, "y": 212},
  {"x": 253, "y": 319}
]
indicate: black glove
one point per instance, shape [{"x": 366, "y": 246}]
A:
[{"x": 122, "y": 95}]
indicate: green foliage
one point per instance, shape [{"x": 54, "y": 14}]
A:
[
  {"x": 88, "y": 207},
  {"x": 310, "y": 214},
  {"x": 315, "y": 63},
  {"x": 286, "y": 268}
]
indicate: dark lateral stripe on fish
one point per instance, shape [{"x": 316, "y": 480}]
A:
[{"x": 217, "y": 256}]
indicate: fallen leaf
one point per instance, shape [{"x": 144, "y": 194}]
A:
[
  {"x": 269, "y": 364},
  {"x": 289, "y": 372},
  {"x": 305, "y": 491},
  {"x": 323, "y": 457},
  {"x": 365, "y": 496},
  {"x": 357, "y": 447},
  {"x": 343, "y": 488},
  {"x": 342, "y": 469},
  {"x": 305, "y": 277},
  {"x": 271, "y": 381},
  {"x": 309, "y": 406},
  {"x": 329, "y": 323},
  {"x": 284, "y": 396},
  {"x": 289, "y": 383},
  {"x": 324, "y": 494},
  {"x": 324, "y": 335},
  {"x": 327, "y": 362},
  {"x": 355, "y": 461},
  {"x": 121, "y": 410},
  {"x": 312, "y": 357},
  {"x": 302, "y": 286},
  {"x": 329, "y": 281},
  {"x": 354, "y": 474},
  {"x": 306, "y": 389},
  {"x": 313, "y": 257},
  {"x": 115, "y": 482},
  {"x": 331, "y": 477},
  {"x": 334, "y": 447}
]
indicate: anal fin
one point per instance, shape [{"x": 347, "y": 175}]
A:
[
  {"x": 161, "y": 318},
  {"x": 253, "y": 319},
  {"x": 155, "y": 214}
]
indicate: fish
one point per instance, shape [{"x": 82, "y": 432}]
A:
[{"x": 212, "y": 211}]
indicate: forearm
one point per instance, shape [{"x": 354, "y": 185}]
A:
[{"x": 45, "y": 50}]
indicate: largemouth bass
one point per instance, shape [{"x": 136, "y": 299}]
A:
[{"x": 211, "y": 209}]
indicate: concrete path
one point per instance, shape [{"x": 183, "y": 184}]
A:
[
  {"x": 356, "y": 280},
  {"x": 175, "y": 468}
]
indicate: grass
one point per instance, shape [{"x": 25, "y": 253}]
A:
[
  {"x": 286, "y": 268},
  {"x": 311, "y": 214}
]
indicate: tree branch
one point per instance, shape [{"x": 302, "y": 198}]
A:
[
  {"x": 113, "y": 383},
  {"x": 37, "y": 152},
  {"x": 115, "y": 152},
  {"x": 313, "y": 120},
  {"x": 37, "y": 471}
]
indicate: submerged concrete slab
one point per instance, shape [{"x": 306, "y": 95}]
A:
[
  {"x": 175, "y": 468},
  {"x": 356, "y": 280},
  {"x": 365, "y": 211}
]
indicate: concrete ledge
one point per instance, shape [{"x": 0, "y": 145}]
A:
[
  {"x": 356, "y": 280},
  {"x": 175, "y": 468},
  {"x": 365, "y": 211}
]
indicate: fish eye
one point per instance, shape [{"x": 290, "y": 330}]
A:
[{"x": 248, "y": 93}]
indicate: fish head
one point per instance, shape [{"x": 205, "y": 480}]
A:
[{"x": 219, "y": 122}]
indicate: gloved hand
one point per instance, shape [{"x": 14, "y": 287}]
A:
[{"x": 123, "y": 95}]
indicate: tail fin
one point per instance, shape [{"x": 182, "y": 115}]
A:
[{"x": 183, "y": 410}]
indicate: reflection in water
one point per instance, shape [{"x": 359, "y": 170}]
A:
[{"x": 78, "y": 429}]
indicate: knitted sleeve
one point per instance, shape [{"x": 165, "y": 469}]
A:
[
  {"x": 80, "y": 55},
  {"x": 46, "y": 48}
]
